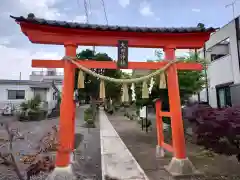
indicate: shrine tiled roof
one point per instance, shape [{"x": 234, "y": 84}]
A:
[{"x": 32, "y": 19}]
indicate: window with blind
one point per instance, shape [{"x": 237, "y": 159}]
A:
[{"x": 16, "y": 94}]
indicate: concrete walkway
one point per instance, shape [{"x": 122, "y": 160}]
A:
[
  {"x": 117, "y": 161},
  {"x": 88, "y": 151}
]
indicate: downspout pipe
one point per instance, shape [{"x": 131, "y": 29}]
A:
[{"x": 205, "y": 73}]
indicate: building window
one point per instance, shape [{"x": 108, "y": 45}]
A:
[
  {"x": 216, "y": 56},
  {"x": 16, "y": 94},
  {"x": 55, "y": 96},
  {"x": 223, "y": 96}
]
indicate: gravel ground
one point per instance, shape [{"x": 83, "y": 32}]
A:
[
  {"x": 142, "y": 146},
  {"x": 87, "y": 143}
]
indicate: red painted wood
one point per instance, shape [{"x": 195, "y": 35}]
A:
[
  {"x": 167, "y": 147},
  {"x": 67, "y": 118},
  {"x": 113, "y": 65},
  {"x": 178, "y": 139},
  {"x": 45, "y": 34},
  {"x": 165, "y": 114}
]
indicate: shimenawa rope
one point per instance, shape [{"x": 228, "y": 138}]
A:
[{"x": 120, "y": 81}]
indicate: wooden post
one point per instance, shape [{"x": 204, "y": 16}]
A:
[
  {"x": 175, "y": 107},
  {"x": 66, "y": 124}
]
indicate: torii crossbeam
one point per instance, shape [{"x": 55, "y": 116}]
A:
[
  {"x": 73, "y": 34},
  {"x": 112, "y": 65}
]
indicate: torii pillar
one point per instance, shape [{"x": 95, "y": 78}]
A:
[
  {"x": 64, "y": 157},
  {"x": 180, "y": 164}
]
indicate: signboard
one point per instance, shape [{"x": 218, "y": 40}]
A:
[
  {"x": 143, "y": 112},
  {"x": 122, "y": 54}
]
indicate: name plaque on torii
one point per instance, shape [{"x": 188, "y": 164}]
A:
[{"x": 122, "y": 61}]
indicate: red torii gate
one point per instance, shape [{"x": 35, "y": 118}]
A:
[{"x": 73, "y": 34}]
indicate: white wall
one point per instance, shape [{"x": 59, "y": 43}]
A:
[
  {"x": 219, "y": 72},
  {"x": 219, "y": 49},
  {"x": 51, "y": 102},
  {"x": 225, "y": 69},
  {"x": 28, "y": 95},
  {"x": 4, "y": 94},
  {"x": 228, "y": 31}
]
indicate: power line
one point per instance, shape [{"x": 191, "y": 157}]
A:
[
  {"x": 87, "y": 17},
  {"x": 89, "y": 4},
  {"x": 105, "y": 13},
  {"x": 86, "y": 11}
]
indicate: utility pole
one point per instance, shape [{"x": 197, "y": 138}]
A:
[{"x": 233, "y": 7}]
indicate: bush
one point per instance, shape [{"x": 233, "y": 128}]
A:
[
  {"x": 216, "y": 129},
  {"x": 31, "y": 105},
  {"x": 166, "y": 120},
  {"x": 88, "y": 117},
  {"x": 30, "y": 110},
  {"x": 33, "y": 115}
]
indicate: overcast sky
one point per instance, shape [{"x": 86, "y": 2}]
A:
[{"x": 16, "y": 51}]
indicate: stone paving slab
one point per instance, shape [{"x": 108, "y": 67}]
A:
[{"x": 117, "y": 161}]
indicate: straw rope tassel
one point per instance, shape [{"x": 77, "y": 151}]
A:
[
  {"x": 145, "y": 94},
  {"x": 125, "y": 97},
  {"x": 81, "y": 79},
  {"x": 133, "y": 92},
  {"x": 102, "y": 90},
  {"x": 162, "y": 83}
]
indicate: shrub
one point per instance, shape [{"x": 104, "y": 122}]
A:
[
  {"x": 31, "y": 105},
  {"x": 166, "y": 120},
  {"x": 30, "y": 110},
  {"x": 216, "y": 129},
  {"x": 33, "y": 116},
  {"x": 88, "y": 117},
  {"x": 88, "y": 114}
]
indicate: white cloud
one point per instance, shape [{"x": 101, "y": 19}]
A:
[
  {"x": 5, "y": 40},
  {"x": 124, "y": 3},
  {"x": 14, "y": 64},
  {"x": 80, "y": 19},
  {"x": 158, "y": 19},
  {"x": 196, "y": 10},
  {"x": 41, "y": 8},
  {"x": 182, "y": 52},
  {"x": 145, "y": 9}
]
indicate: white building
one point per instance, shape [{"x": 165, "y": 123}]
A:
[
  {"x": 223, "y": 73},
  {"x": 47, "y": 84}
]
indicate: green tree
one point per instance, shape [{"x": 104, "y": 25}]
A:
[
  {"x": 201, "y": 25},
  {"x": 92, "y": 84},
  {"x": 190, "y": 82},
  {"x": 159, "y": 54}
]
